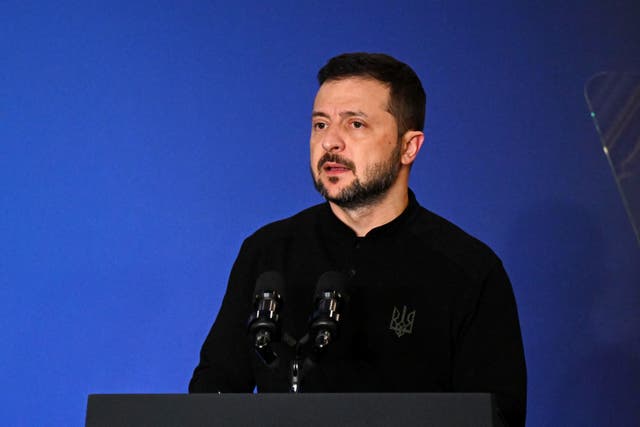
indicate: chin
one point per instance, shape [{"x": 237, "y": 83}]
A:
[
  {"x": 332, "y": 190},
  {"x": 335, "y": 188}
]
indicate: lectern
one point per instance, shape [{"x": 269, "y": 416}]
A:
[{"x": 295, "y": 409}]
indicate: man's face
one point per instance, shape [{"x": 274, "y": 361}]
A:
[{"x": 355, "y": 148}]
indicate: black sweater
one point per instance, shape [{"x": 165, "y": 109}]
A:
[{"x": 431, "y": 309}]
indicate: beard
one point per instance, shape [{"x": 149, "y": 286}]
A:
[{"x": 378, "y": 178}]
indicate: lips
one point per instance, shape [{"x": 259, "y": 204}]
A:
[
  {"x": 332, "y": 163},
  {"x": 332, "y": 167}
]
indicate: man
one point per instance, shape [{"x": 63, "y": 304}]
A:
[{"x": 430, "y": 308}]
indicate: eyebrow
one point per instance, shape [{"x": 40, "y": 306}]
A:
[{"x": 343, "y": 114}]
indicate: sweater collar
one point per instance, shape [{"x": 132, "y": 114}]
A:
[{"x": 336, "y": 226}]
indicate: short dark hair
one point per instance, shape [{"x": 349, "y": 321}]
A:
[{"x": 407, "y": 99}]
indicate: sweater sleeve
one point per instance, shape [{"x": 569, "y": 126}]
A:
[
  {"x": 225, "y": 360},
  {"x": 488, "y": 353}
]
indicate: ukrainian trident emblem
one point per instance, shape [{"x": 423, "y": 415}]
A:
[{"x": 402, "y": 323}]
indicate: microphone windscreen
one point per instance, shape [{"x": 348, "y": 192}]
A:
[
  {"x": 332, "y": 281},
  {"x": 270, "y": 281}
]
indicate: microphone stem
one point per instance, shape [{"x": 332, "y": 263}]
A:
[{"x": 296, "y": 373}]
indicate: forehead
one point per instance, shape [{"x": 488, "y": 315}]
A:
[{"x": 352, "y": 92}]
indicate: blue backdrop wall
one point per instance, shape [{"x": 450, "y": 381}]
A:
[{"x": 140, "y": 142}]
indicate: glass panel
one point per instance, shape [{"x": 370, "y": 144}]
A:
[{"x": 614, "y": 103}]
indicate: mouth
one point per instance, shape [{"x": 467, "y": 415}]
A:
[
  {"x": 333, "y": 163},
  {"x": 335, "y": 168}
]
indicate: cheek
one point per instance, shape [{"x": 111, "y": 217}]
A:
[
  {"x": 313, "y": 150},
  {"x": 314, "y": 156}
]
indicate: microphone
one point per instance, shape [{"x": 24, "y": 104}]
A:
[
  {"x": 329, "y": 300},
  {"x": 264, "y": 322}
]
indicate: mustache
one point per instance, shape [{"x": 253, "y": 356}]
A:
[{"x": 335, "y": 158}]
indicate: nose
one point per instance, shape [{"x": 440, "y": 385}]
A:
[{"x": 333, "y": 140}]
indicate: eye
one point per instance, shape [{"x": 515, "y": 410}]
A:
[
  {"x": 319, "y": 125},
  {"x": 357, "y": 124}
]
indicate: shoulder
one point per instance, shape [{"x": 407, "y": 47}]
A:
[
  {"x": 441, "y": 236},
  {"x": 293, "y": 226},
  {"x": 269, "y": 247}
]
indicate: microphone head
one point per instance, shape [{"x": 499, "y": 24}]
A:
[
  {"x": 264, "y": 322},
  {"x": 332, "y": 281},
  {"x": 329, "y": 300},
  {"x": 270, "y": 281}
]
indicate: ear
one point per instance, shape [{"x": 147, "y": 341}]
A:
[{"x": 411, "y": 142}]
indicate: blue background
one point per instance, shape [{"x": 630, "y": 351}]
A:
[{"x": 140, "y": 142}]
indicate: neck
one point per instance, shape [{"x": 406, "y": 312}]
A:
[{"x": 384, "y": 210}]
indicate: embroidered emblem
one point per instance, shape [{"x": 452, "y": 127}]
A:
[{"x": 402, "y": 323}]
